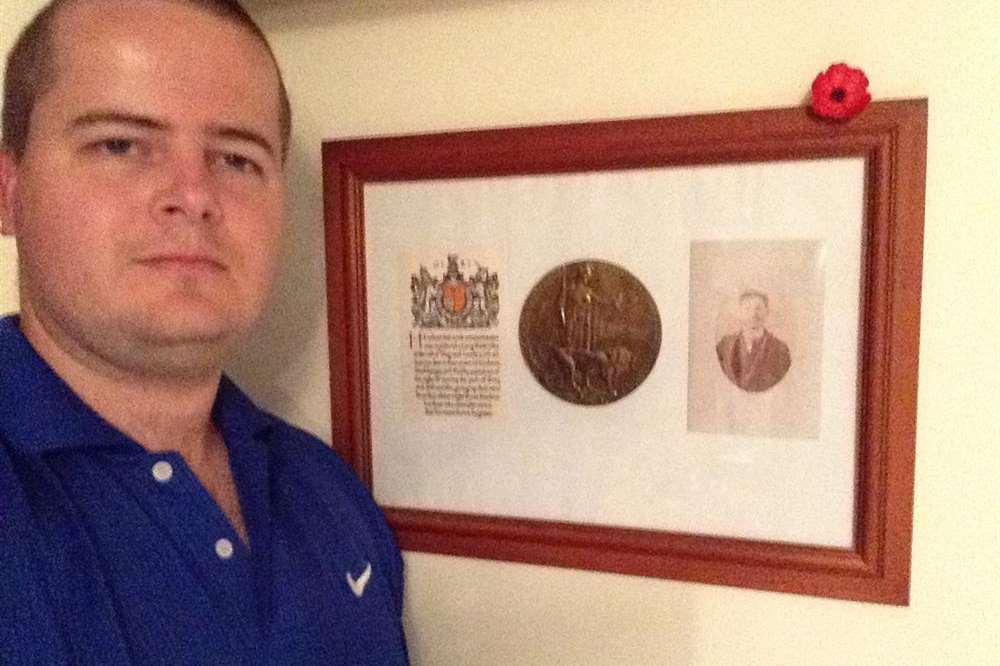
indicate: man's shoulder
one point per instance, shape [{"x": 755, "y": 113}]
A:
[
  {"x": 290, "y": 443},
  {"x": 727, "y": 342},
  {"x": 775, "y": 342},
  {"x": 284, "y": 433},
  {"x": 27, "y": 631}
]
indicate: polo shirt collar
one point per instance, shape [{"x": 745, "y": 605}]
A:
[
  {"x": 236, "y": 416},
  {"x": 40, "y": 413}
]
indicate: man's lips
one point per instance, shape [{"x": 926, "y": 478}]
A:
[{"x": 183, "y": 261}]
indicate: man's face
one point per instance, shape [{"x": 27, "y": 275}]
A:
[
  {"x": 753, "y": 312},
  {"x": 147, "y": 206}
]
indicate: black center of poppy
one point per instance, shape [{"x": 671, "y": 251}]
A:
[{"x": 838, "y": 94}]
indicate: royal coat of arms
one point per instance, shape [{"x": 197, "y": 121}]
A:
[{"x": 451, "y": 300}]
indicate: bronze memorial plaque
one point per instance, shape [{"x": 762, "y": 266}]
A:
[{"x": 590, "y": 332}]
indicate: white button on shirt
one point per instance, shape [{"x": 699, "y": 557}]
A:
[
  {"x": 163, "y": 471},
  {"x": 224, "y": 548}
]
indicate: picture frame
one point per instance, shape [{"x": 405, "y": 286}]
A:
[{"x": 377, "y": 189}]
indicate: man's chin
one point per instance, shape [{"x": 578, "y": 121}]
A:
[
  {"x": 187, "y": 355},
  {"x": 194, "y": 328}
]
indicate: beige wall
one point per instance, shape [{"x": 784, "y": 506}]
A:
[{"x": 359, "y": 68}]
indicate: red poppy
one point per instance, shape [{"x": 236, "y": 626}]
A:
[{"x": 840, "y": 92}]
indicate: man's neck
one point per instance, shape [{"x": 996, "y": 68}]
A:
[
  {"x": 160, "y": 413},
  {"x": 752, "y": 335}
]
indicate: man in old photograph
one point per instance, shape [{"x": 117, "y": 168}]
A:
[{"x": 753, "y": 358}]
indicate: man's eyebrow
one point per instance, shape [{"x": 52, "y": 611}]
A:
[
  {"x": 241, "y": 134},
  {"x": 118, "y": 118},
  {"x": 146, "y": 122}
]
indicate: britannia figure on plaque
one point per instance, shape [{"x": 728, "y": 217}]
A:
[{"x": 579, "y": 309}]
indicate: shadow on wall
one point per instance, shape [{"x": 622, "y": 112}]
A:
[
  {"x": 297, "y": 307},
  {"x": 292, "y": 14},
  {"x": 491, "y": 613}
]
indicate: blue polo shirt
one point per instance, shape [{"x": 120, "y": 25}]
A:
[{"x": 110, "y": 554}]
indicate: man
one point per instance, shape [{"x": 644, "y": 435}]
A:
[
  {"x": 149, "y": 513},
  {"x": 753, "y": 359}
]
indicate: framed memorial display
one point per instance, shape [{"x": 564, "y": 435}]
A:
[{"x": 678, "y": 347}]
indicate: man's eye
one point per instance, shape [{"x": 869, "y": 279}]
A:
[
  {"x": 240, "y": 163},
  {"x": 117, "y": 146}
]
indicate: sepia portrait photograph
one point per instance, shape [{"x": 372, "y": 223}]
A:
[{"x": 756, "y": 322}]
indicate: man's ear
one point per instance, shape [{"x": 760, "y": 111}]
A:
[{"x": 8, "y": 189}]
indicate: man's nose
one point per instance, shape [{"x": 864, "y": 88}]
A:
[{"x": 189, "y": 191}]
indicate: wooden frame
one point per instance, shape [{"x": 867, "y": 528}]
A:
[{"x": 889, "y": 136}]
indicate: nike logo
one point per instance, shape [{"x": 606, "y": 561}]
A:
[{"x": 359, "y": 584}]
